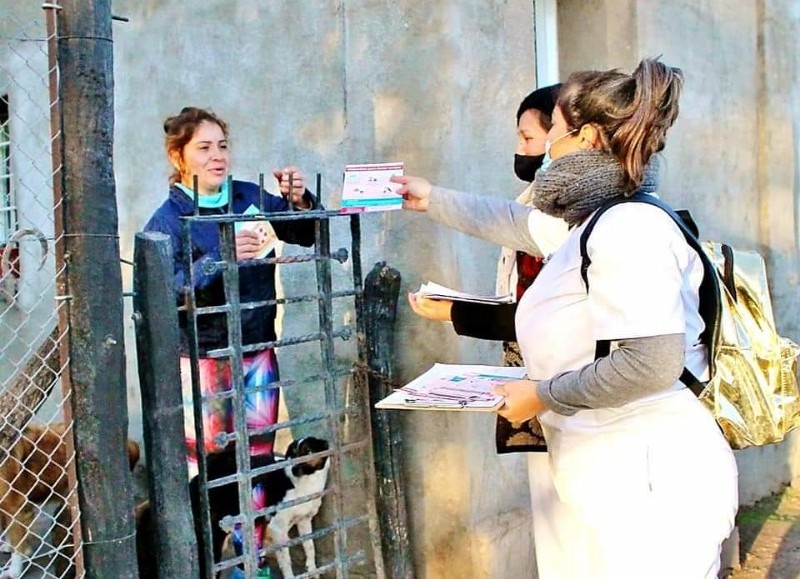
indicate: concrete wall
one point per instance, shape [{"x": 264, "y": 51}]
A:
[{"x": 732, "y": 156}]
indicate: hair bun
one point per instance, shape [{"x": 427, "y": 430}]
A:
[{"x": 168, "y": 123}]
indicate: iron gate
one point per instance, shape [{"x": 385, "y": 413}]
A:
[{"x": 327, "y": 395}]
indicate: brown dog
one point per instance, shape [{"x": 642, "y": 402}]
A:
[{"x": 33, "y": 475}]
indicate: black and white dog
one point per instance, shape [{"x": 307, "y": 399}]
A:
[
  {"x": 306, "y": 478},
  {"x": 288, "y": 484}
]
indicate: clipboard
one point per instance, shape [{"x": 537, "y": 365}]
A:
[{"x": 474, "y": 381}]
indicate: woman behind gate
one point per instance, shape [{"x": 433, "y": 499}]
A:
[{"x": 198, "y": 146}]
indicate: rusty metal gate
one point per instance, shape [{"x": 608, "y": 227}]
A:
[
  {"x": 38, "y": 490},
  {"x": 323, "y": 380}
]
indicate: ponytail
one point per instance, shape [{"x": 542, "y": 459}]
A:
[{"x": 653, "y": 110}]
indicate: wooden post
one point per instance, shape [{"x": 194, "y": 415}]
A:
[
  {"x": 381, "y": 289},
  {"x": 94, "y": 282},
  {"x": 173, "y": 541}
]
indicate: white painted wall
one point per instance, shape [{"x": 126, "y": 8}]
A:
[{"x": 23, "y": 78}]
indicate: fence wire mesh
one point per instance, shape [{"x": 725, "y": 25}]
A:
[{"x": 38, "y": 493}]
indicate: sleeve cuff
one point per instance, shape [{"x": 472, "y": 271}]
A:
[
  {"x": 545, "y": 390},
  {"x": 313, "y": 202}
]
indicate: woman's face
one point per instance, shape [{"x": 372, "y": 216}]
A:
[
  {"x": 207, "y": 156},
  {"x": 563, "y": 139},
  {"x": 531, "y": 133}
]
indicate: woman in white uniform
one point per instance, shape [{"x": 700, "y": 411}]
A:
[{"x": 645, "y": 485}]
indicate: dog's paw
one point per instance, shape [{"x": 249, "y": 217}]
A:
[{"x": 13, "y": 568}]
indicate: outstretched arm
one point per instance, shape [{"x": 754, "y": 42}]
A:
[
  {"x": 503, "y": 222},
  {"x": 485, "y": 321}
]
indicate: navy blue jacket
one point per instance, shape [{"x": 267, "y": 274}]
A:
[{"x": 256, "y": 279}]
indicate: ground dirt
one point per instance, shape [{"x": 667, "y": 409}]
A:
[{"x": 770, "y": 537}]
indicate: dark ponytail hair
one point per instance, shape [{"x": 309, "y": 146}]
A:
[
  {"x": 631, "y": 112},
  {"x": 180, "y": 129}
]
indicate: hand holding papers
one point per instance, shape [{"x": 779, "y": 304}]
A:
[
  {"x": 453, "y": 387},
  {"x": 367, "y": 187},
  {"x": 267, "y": 239},
  {"x": 435, "y": 291}
]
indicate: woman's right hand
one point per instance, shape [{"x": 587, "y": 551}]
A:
[
  {"x": 248, "y": 244},
  {"x": 415, "y": 191},
  {"x": 440, "y": 310}
]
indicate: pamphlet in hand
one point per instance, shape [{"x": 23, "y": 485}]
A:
[
  {"x": 267, "y": 238},
  {"x": 367, "y": 188},
  {"x": 435, "y": 291},
  {"x": 453, "y": 387}
]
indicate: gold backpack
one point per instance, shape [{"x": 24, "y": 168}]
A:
[{"x": 753, "y": 390}]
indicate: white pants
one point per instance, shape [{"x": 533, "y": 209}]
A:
[{"x": 646, "y": 490}]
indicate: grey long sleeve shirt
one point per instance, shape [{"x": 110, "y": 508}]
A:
[
  {"x": 497, "y": 220},
  {"x": 638, "y": 367}
]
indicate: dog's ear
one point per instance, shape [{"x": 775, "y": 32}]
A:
[{"x": 291, "y": 450}]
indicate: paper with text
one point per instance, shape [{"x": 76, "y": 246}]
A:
[
  {"x": 437, "y": 291},
  {"x": 367, "y": 187}
]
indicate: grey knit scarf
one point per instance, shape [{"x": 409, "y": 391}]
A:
[{"x": 577, "y": 184}]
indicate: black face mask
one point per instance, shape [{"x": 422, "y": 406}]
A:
[{"x": 525, "y": 166}]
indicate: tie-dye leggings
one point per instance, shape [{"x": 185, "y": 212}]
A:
[{"x": 259, "y": 369}]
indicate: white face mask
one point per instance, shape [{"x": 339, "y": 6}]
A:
[{"x": 547, "y": 144}]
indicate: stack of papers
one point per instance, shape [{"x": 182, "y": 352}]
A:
[
  {"x": 453, "y": 387},
  {"x": 435, "y": 291}
]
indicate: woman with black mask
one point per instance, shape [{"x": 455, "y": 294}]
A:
[{"x": 516, "y": 270}]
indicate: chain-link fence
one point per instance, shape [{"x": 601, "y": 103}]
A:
[{"x": 38, "y": 492}]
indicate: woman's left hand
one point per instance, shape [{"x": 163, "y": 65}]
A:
[
  {"x": 298, "y": 181},
  {"x": 439, "y": 310},
  {"x": 521, "y": 400}
]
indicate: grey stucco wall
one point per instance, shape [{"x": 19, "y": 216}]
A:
[{"x": 326, "y": 83}]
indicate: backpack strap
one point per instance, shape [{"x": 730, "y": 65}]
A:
[{"x": 710, "y": 305}]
